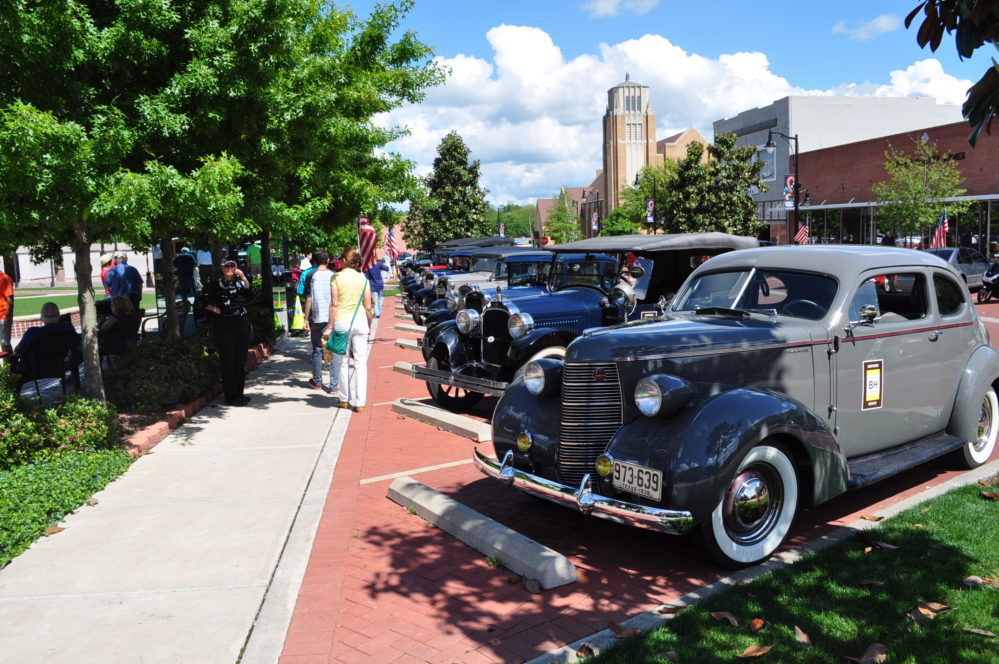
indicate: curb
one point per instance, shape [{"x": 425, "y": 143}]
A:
[
  {"x": 435, "y": 416},
  {"x": 143, "y": 441}
]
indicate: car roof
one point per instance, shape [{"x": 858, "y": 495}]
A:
[
  {"x": 492, "y": 241},
  {"x": 525, "y": 256},
  {"x": 507, "y": 251},
  {"x": 827, "y": 258},
  {"x": 670, "y": 242}
]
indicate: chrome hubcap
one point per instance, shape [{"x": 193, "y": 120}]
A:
[
  {"x": 984, "y": 425},
  {"x": 752, "y": 503}
]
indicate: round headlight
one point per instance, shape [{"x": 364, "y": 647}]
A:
[
  {"x": 623, "y": 296},
  {"x": 604, "y": 465},
  {"x": 524, "y": 441},
  {"x": 520, "y": 324},
  {"x": 452, "y": 303},
  {"x": 534, "y": 378},
  {"x": 467, "y": 320},
  {"x": 648, "y": 397}
]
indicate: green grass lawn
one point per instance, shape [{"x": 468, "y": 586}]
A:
[
  {"x": 31, "y": 306},
  {"x": 860, "y": 592}
]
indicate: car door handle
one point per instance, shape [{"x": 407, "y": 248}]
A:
[{"x": 935, "y": 334}]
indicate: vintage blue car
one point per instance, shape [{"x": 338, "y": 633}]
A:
[
  {"x": 482, "y": 351},
  {"x": 777, "y": 378}
]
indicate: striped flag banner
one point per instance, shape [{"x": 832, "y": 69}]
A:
[
  {"x": 367, "y": 238},
  {"x": 802, "y": 235},
  {"x": 391, "y": 248},
  {"x": 939, "y": 240}
]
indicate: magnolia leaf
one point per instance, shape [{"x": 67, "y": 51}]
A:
[
  {"x": 800, "y": 635},
  {"x": 670, "y": 609},
  {"x": 725, "y": 615},
  {"x": 980, "y": 632},
  {"x": 917, "y": 525},
  {"x": 974, "y": 581},
  {"x": 886, "y": 545},
  {"x": 628, "y": 633},
  {"x": 872, "y": 518},
  {"x": 585, "y": 650},
  {"x": 868, "y": 549},
  {"x": 934, "y": 607},
  {"x": 755, "y": 651},
  {"x": 921, "y": 617},
  {"x": 756, "y": 624},
  {"x": 875, "y": 654},
  {"x": 871, "y": 582},
  {"x": 671, "y": 655},
  {"x": 52, "y": 530},
  {"x": 989, "y": 581},
  {"x": 985, "y": 483},
  {"x": 988, "y": 495}
]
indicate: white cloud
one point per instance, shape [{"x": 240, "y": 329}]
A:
[
  {"x": 869, "y": 29},
  {"x": 534, "y": 118},
  {"x": 597, "y": 8}
]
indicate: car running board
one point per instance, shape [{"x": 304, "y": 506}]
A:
[{"x": 875, "y": 467}]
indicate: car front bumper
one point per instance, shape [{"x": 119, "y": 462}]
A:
[
  {"x": 673, "y": 522},
  {"x": 471, "y": 383}
]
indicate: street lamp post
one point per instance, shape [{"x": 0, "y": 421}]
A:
[
  {"x": 593, "y": 202},
  {"x": 655, "y": 203},
  {"x": 770, "y": 144}
]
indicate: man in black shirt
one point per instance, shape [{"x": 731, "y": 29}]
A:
[{"x": 227, "y": 300}]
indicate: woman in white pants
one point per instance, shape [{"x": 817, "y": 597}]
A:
[{"x": 348, "y": 295}]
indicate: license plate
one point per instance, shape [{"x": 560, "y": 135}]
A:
[{"x": 639, "y": 480}]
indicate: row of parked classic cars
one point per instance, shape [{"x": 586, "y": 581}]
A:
[{"x": 699, "y": 383}]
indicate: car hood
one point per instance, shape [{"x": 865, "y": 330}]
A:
[
  {"x": 683, "y": 335},
  {"x": 564, "y": 302}
]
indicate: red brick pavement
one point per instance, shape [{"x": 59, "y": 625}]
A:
[{"x": 382, "y": 586}]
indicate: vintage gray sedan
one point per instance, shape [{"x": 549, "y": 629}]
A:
[{"x": 778, "y": 378}]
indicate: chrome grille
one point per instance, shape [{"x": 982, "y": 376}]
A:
[{"x": 591, "y": 415}]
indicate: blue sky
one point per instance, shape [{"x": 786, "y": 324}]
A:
[{"x": 529, "y": 79}]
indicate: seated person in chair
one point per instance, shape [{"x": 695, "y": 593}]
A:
[
  {"x": 52, "y": 323},
  {"x": 113, "y": 331}
]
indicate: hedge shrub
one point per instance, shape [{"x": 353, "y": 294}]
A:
[{"x": 38, "y": 495}]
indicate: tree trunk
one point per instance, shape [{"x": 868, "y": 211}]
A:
[
  {"x": 169, "y": 294},
  {"x": 93, "y": 383},
  {"x": 216, "y": 245}
]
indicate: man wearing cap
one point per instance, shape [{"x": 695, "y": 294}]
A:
[
  {"x": 124, "y": 280},
  {"x": 184, "y": 265},
  {"x": 106, "y": 264},
  {"x": 228, "y": 299}
]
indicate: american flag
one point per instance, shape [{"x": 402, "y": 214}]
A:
[
  {"x": 802, "y": 235},
  {"x": 390, "y": 246},
  {"x": 367, "y": 238},
  {"x": 939, "y": 240}
]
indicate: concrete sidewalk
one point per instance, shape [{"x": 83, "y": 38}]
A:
[{"x": 175, "y": 559}]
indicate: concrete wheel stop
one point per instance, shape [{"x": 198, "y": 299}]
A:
[
  {"x": 410, "y": 327},
  {"x": 516, "y": 552},
  {"x": 409, "y": 344},
  {"x": 424, "y": 410}
]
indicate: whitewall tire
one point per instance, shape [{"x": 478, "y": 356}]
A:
[{"x": 977, "y": 452}]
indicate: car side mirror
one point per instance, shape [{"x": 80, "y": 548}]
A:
[
  {"x": 636, "y": 271},
  {"x": 868, "y": 316}
]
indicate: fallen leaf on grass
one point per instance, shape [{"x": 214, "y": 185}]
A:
[
  {"x": 988, "y": 495},
  {"x": 985, "y": 483},
  {"x": 585, "y": 651},
  {"x": 871, "y": 582},
  {"x": 974, "y": 581},
  {"x": 671, "y": 655},
  {"x": 725, "y": 615},
  {"x": 875, "y": 654},
  {"x": 886, "y": 545},
  {"x": 917, "y": 525},
  {"x": 52, "y": 530},
  {"x": 756, "y": 624},
  {"x": 628, "y": 633},
  {"x": 755, "y": 651},
  {"x": 670, "y": 609},
  {"x": 800, "y": 635},
  {"x": 871, "y": 518},
  {"x": 935, "y": 607},
  {"x": 980, "y": 632},
  {"x": 921, "y": 617}
]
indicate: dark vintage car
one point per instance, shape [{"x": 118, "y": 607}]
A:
[
  {"x": 480, "y": 352},
  {"x": 778, "y": 378}
]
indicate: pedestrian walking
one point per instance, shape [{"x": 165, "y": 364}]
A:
[
  {"x": 204, "y": 266},
  {"x": 107, "y": 264},
  {"x": 349, "y": 293},
  {"x": 374, "y": 275},
  {"x": 6, "y": 311},
  {"x": 125, "y": 280},
  {"x": 254, "y": 258},
  {"x": 228, "y": 300},
  {"x": 184, "y": 266},
  {"x": 317, "y": 312}
]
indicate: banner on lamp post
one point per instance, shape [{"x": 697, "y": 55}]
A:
[
  {"x": 593, "y": 221},
  {"x": 650, "y": 211},
  {"x": 788, "y": 192}
]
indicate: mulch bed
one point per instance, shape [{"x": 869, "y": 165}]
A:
[{"x": 134, "y": 422}]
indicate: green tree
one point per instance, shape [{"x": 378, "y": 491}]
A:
[
  {"x": 974, "y": 23},
  {"x": 517, "y": 220},
  {"x": 455, "y": 205},
  {"x": 910, "y": 197},
  {"x": 562, "y": 224},
  {"x": 713, "y": 195}
]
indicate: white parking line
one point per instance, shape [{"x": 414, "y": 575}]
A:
[{"x": 426, "y": 469}]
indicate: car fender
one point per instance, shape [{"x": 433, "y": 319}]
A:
[
  {"x": 438, "y": 304},
  {"x": 518, "y": 410},
  {"x": 435, "y": 318},
  {"x": 980, "y": 372},
  {"x": 425, "y": 295},
  {"x": 446, "y": 338},
  {"x": 524, "y": 347},
  {"x": 699, "y": 448}
]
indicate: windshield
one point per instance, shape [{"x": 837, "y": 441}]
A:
[
  {"x": 526, "y": 273},
  {"x": 483, "y": 263},
  {"x": 459, "y": 263},
  {"x": 794, "y": 294},
  {"x": 945, "y": 254},
  {"x": 600, "y": 274}
]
